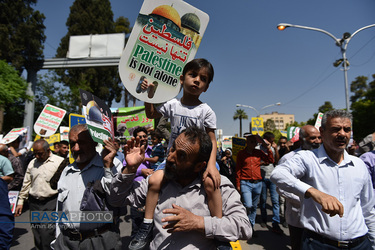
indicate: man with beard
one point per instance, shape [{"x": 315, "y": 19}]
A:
[
  {"x": 89, "y": 166},
  {"x": 311, "y": 139},
  {"x": 182, "y": 218},
  {"x": 331, "y": 182}
]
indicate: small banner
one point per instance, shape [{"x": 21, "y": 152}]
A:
[
  {"x": 165, "y": 37},
  {"x": 14, "y": 134},
  {"x": 49, "y": 120},
  {"x": 257, "y": 126},
  {"x": 98, "y": 117}
]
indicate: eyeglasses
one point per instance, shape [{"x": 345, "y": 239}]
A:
[{"x": 142, "y": 136}]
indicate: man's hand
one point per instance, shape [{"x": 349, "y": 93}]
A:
[
  {"x": 147, "y": 171},
  {"x": 134, "y": 155},
  {"x": 330, "y": 204},
  {"x": 214, "y": 174},
  {"x": 182, "y": 220},
  {"x": 18, "y": 211},
  {"x": 109, "y": 152}
]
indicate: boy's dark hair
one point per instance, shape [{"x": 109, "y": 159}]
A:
[
  {"x": 197, "y": 64},
  {"x": 139, "y": 129},
  {"x": 156, "y": 134}
]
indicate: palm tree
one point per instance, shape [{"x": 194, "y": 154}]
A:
[{"x": 240, "y": 114}]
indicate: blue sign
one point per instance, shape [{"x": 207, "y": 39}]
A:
[{"x": 75, "y": 119}]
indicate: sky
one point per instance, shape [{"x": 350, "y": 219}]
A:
[{"x": 256, "y": 64}]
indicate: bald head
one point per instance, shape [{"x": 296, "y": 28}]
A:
[
  {"x": 4, "y": 150},
  {"x": 310, "y": 137}
]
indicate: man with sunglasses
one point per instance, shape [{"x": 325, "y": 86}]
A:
[{"x": 37, "y": 190}]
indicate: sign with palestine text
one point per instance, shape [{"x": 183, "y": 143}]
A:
[
  {"x": 165, "y": 37},
  {"x": 98, "y": 117}
]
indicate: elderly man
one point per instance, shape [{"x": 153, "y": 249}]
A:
[
  {"x": 310, "y": 139},
  {"x": 182, "y": 218},
  {"x": 337, "y": 200},
  {"x": 16, "y": 183},
  {"x": 88, "y": 167},
  {"x": 37, "y": 190}
]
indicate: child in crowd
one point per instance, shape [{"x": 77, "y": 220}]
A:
[
  {"x": 188, "y": 111},
  {"x": 157, "y": 155}
]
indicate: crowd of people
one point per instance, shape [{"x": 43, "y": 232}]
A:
[{"x": 191, "y": 194}]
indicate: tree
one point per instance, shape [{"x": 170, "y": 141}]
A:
[
  {"x": 13, "y": 90},
  {"x": 296, "y": 124},
  {"x": 122, "y": 25},
  {"x": 327, "y": 106},
  {"x": 91, "y": 17},
  {"x": 59, "y": 97},
  {"x": 21, "y": 34},
  {"x": 269, "y": 125},
  {"x": 240, "y": 114},
  {"x": 363, "y": 106}
]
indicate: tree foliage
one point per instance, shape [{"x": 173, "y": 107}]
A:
[
  {"x": 363, "y": 106},
  {"x": 21, "y": 34},
  {"x": 269, "y": 125},
  {"x": 91, "y": 17},
  {"x": 59, "y": 97},
  {"x": 13, "y": 90},
  {"x": 327, "y": 106},
  {"x": 240, "y": 114}
]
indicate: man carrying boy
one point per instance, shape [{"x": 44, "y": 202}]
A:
[
  {"x": 184, "y": 113},
  {"x": 182, "y": 216}
]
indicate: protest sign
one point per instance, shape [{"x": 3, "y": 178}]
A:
[
  {"x": 293, "y": 134},
  {"x": 64, "y": 133},
  {"x": 257, "y": 126},
  {"x": 14, "y": 134},
  {"x": 127, "y": 119},
  {"x": 165, "y": 37},
  {"x": 13, "y": 197},
  {"x": 98, "y": 117},
  {"x": 49, "y": 120},
  {"x": 318, "y": 121}
]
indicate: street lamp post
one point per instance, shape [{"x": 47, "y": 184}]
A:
[
  {"x": 342, "y": 43},
  {"x": 258, "y": 114},
  {"x": 250, "y": 107}
]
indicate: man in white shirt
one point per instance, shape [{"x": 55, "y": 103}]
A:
[
  {"x": 331, "y": 182},
  {"x": 37, "y": 190}
]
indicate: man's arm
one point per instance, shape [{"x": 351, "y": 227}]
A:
[
  {"x": 122, "y": 188},
  {"x": 234, "y": 225},
  {"x": 288, "y": 180}
]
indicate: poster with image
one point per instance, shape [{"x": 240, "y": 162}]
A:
[
  {"x": 49, "y": 120},
  {"x": 127, "y": 119},
  {"x": 98, "y": 117},
  {"x": 165, "y": 37}
]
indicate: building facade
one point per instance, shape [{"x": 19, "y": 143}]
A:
[{"x": 280, "y": 119}]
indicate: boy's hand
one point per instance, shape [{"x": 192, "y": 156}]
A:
[
  {"x": 214, "y": 174},
  {"x": 145, "y": 84}
]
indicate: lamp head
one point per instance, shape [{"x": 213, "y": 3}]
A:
[
  {"x": 346, "y": 35},
  {"x": 282, "y": 26}
]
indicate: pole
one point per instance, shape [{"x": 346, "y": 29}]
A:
[{"x": 342, "y": 43}]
